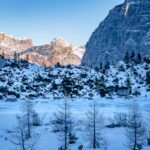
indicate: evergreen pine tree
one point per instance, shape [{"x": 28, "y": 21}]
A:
[{"x": 127, "y": 57}]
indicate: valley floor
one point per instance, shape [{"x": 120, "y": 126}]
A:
[{"x": 48, "y": 140}]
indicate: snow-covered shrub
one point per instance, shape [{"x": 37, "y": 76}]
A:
[
  {"x": 34, "y": 81},
  {"x": 13, "y": 93},
  {"x": 118, "y": 120},
  {"x": 121, "y": 66},
  {"x": 80, "y": 147},
  {"x": 72, "y": 138},
  {"x": 36, "y": 119},
  {"x": 136, "y": 92}
]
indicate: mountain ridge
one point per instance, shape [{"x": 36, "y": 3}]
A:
[{"x": 58, "y": 50}]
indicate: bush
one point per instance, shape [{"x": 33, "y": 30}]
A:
[
  {"x": 36, "y": 119},
  {"x": 118, "y": 120},
  {"x": 72, "y": 138},
  {"x": 136, "y": 92}
]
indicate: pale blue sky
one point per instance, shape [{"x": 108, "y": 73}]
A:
[{"x": 42, "y": 20}]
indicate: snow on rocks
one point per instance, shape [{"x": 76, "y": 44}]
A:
[{"x": 24, "y": 80}]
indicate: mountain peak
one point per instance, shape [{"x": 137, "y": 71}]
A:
[
  {"x": 4, "y": 36},
  {"x": 59, "y": 50},
  {"x": 61, "y": 41},
  {"x": 10, "y": 44}
]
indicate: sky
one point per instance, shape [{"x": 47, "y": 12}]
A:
[{"x": 43, "y": 20}]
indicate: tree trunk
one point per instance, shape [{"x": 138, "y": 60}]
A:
[
  {"x": 23, "y": 144},
  {"x": 94, "y": 133},
  {"x": 65, "y": 126},
  {"x": 135, "y": 140},
  {"x": 28, "y": 124}
]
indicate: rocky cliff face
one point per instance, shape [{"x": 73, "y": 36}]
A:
[
  {"x": 59, "y": 50},
  {"x": 10, "y": 44},
  {"x": 125, "y": 29}
]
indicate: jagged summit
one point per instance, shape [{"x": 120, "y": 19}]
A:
[
  {"x": 125, "y": 29},
  {"x": 58, "y": 51},
  {"x": 2, "y": 34},
  {"x": 12, "y": 41},
  {"x": 61, "y": 41},
  {"x": 10, "y": 44}
]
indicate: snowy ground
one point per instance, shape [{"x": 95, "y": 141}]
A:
[{"x": 48, "y": 140}]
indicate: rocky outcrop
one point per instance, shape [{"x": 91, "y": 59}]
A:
[
  {"x": 58, "y": 51},
  {"x": 9, "y": 45},
  {"x": 125, "y": 29}
]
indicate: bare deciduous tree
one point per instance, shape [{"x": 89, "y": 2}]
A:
[
  {"x": 27, "y": 109},
  {"x": 135, "y": 131},
  {"x": 94, "y": 126},
  {"x": 63, "y": 124},
  {"x": 19, "y": 139}
]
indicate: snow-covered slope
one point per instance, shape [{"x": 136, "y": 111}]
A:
[{"x": 22, "y": 80}]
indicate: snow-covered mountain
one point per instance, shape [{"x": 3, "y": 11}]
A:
[
  {"x": 126, "y": 29},
  {"x": 57, "y": 51},
  {"x": 10, "y": 44},
  {"x": 21, "y": 80}
]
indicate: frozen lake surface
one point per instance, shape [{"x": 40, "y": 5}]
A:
[{"x": 48, "y": 140}]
